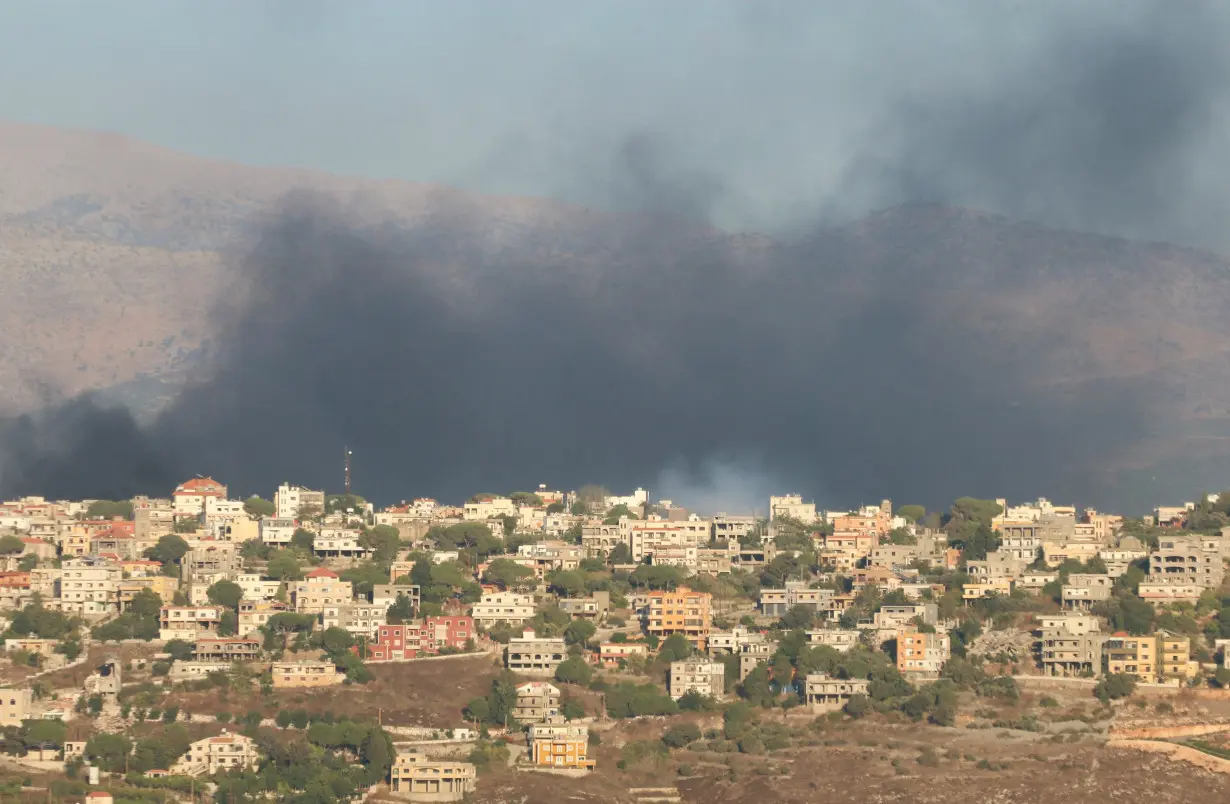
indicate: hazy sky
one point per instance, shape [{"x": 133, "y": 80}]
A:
[{"x": 755, "y": 114}]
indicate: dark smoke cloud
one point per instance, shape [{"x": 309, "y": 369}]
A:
[
  {"x": 455, "y": 356},
  {"x": 450, "y": 367}
]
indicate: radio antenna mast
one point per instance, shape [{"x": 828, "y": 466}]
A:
[{"x": 348, "y": 454}]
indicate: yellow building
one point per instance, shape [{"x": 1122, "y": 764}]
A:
[
  {"x": 682, "y": 611},
  {"x": 161, "y": 585},
  {"x": 305, "y": 674},
  {"x": 1135, "y": 656},
  {"x": 559, "y": 744},
  {"x": 1175, "y": 657},
  {"x": 986, "y": 587}
]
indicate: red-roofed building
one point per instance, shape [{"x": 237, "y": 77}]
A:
[{"x": 189, "y": 496}]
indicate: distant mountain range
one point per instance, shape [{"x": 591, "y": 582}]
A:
[{"x": 113, "y": 253}]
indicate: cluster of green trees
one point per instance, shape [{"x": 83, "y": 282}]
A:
[
  {"x": 169, "y": 550},
  {"x": 36, "y": 621},
  {"x": 139, "y": 621},
  {"x": 109, "y": 509}
]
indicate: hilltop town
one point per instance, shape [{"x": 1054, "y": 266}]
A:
[{"x": 311, "y": 647}]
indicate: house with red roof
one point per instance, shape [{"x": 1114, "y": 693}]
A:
[{"x": 189, "y": 497}]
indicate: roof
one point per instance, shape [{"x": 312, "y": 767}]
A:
[
  {"x": 321, "y": 572},
  {"x": 200, "y": 485}
]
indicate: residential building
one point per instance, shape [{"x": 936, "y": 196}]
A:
[
  {"x": 189, "y": 497},
  {"x": 189, "y": 623},
  {"x": 1134, "y": 655},
  {"x": 645, "y": 537},
  {"x": 257, "y": 588},
  {"x": 545, "y": 557},
  {"x": 732, "y": 641},
  {"x": 509, "y": 607},
  {"x": 792, "y": 506},
  {"x": 536, "y": 701},
  {"x": 753, "y": 654},
  {"x": 596, "y": 607},
  {"x": 89, "y": 586},
  {"x": 681, "y": 611},
  {"x": 305, "y": 674},
  {"x": 160, "y": 585},
  {"x": 840, "y": 639},
  {"x": 534, "y": 655},
  {"x": 417, "y": 778},
  {"x": 697, "y": 674},
  {"x": 979, "y": 588},
  {"x": 1169, "y": 589},
  {"x": 560, "y": 744},
  {"x": 386, "y": 594},
  {"x": 277, "y": 531},
  {"x": 487, "y": 508},
  {"x": 226, "y": 649},
  {"x": 728, "y": 528},
  {"x": 1072, "y": 622},
  {"x": 16, "y": 705},
  {"x": 1193, "y": 558},
  {"x": 612, "y": 653},
  {"x": 360, "y": 619},
  {"x": 776, "y": 602},
  {"x": 921, "y": 655},
  {"x": 901, "y": 616},
  {"x": 1070, "y": 654},
  {"x": 289, "y": 500},
  {"x": 254, "y": 614},
  {"x": 221, "y": 754},
  {"x": 340, "y": 543},
  {"x": 1174, "y": 657},
  {"x": 319, "y": 589},
  {"x": 411, "y": 640},
  {"x": 823, "y": 693},
  {"x": 1083, "y": 590}
]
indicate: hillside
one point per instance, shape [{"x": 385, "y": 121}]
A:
[{"x": 114, "y": 255}]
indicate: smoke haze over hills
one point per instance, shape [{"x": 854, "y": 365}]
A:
[{"x": 923, "y": 352}]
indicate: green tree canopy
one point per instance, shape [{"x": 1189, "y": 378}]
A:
[
  {"x": 284, "y": 566},
  {"x": 509, "y": 574},
  {"x": 524, "y": 498},
  {"x": 579, "y": 632},
  {"x": 225, "y": 593},
  {"x": 574, "y": 670},
  {"x": 11, "y": 545},
  {"x": 258, "y": 507},
  {"x": 169, "y": 549},
  {"x": 109, "y": 509},
  {"x": 568, "y": 583},
  {"x": 911, "y": 512}
]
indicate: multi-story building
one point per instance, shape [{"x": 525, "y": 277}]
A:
[
  {"x": 487, "y": 508},
  {"x": 732, "y": 641},
  {"x": 509, "y": 607},
  {"x": 305, "y": 674},
  {"x": 89, "y": 586},
  {"x": 682, "y": 611},
  {"x": 319, "y": 589},
  {"x": 417, "y": 778},
  {"x": 776, "y": 602},
  {"x": 16, "y": 705},
  {"x": 226, "y": 649},
  {"x": 221, "y": 754},
  {"x": 612, "y": 653},
  {"x": 534, "y": 655},
  {"x": 536, "y": 701},
  {"x": 792, "y": 506},
  {"x": 1169, "y": 589},
  {"x": 1175, "y": 658},
  {"x": 697, "y": 674},
  {"x": 189, "y": 497},
  {"x": 1134, "y": 655},
  {"x": 595, "y": 607},
  {"x": 257, "y": 588},
  {"x": 979, "y": 588},
  {"x": 922, "y": 655},
  {"x": 728, "y": 528},
  {"x": 893, "y": 617},
  {"x": 1067, "y": 654},
  {"x": 645, "y": 537},
  {"x": 840, "y": 639},
  {"x": 289, "y": 500},
  {"x": 189, "y": 623},
  {"x": 1072, "y": 622},
  {"x": 386, "y": 594},
  {"x": 340, "y": 543},
  {"x": 360, "y": 619},
  {"x": 560, "y": 744},
  {"x": 1083, "y": 590},
  {"x": 411, "y": 640},
  {"x": 277, "y": 531},
  {"x": 1196, "y": 558},
  {"x": 254, "y": 614},
  {"x": 823, "y": 693}
]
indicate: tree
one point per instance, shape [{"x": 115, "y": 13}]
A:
[
  {"x": 401, "y": 611},
  {"x": 168, "y": 550},
  {"x": 336, "y": 640},
  {"x": 568, "y": 583},
  {"x": 108, "y": 751},
  {"x": 755, "y": 688},
  {"x": 580, "y": 509},
  {"x": 508, "y": 574},
  {"x": 620, "y": 554},
  {"x": 384, "y": 541},
  {"x": 616, "y": 512},
  {"x": 228, "y": 623},
  {"x": 798, "y": 617},
  {"x": 225, "y": 593},
  {"x": 901, "y": 536},
  {"x": 675, "y": 648},
  {"x": 11, "y": 545},
  {"x": 911, "y": 512},
  {"x": 284, "y": 566},
  {"x": 1114, "y": 686},
  {"x": 579, "y": 632},
  {"x": 303, "y": 539},
  {"x": 555, "y": 508},
  {"x": 526, "y": 498},
  {"x": 572, "y": 709},
  {"x": 258, "y": 507},
  {"x": 858, "y": 706},
  {"x": 145, "y": 603},
  {"x": 109, "y": 509},
  {"x": 573, "y": 670},
  {"x": 180, "y": 650},
  {"x": 681, "y": 736}
]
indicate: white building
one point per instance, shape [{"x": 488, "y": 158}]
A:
[
  {"x": 289, "y": 500},
  {"x": 277, "y": 531},
  {"x": 699, "y": 675},
  {"x": 509, "y": 607}
]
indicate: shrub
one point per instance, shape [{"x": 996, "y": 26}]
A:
[
  {"x": 1115, "y": 686},
  {"x": 928, "y": 758},
  {"x": 680, "y": 736}
]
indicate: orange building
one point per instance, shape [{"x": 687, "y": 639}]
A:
[
  {"x": 559, "y": 744},
  {"x": 682, "y": 611}
]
